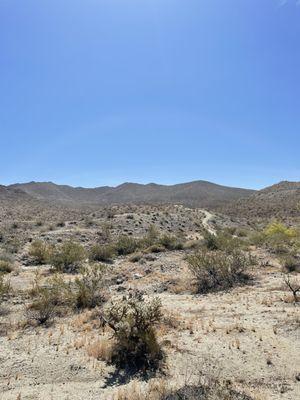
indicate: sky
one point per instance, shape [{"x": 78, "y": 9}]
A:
[{"x": 100, "y": 92}]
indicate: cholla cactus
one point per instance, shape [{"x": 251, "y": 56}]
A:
[{"x": 132, "y": 320}]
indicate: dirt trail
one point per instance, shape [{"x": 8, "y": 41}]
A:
[{"x": 208, "y": 216}]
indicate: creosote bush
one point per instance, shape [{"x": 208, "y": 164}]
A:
[
  {"x": 49, "y": 299},
  {"x": 126, "y": 245},
  {"x": 6, "y": 263},
  {"x": 40, "y": 252},
  {"x": 218, "y": 270},
  {"x": 171, "y": 242},
  {"x": 56, "y": 296},
  {"x": 222, "y": 241},
  {"x": 133, "y": 321},
  {"x": 68, "y": 257},
  {"x": 102, "y": 252},
  {"x": 88, "y": 290}
]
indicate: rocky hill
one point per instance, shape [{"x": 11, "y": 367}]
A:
[
  {"x": 198, "y": 193},
  {"x": 281, "y": 200}
]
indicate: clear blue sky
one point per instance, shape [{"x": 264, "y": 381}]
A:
[{"x": 99, "y": 92}]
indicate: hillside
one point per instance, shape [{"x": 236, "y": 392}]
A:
[
  {"x": 198, "y": 193},
  {"x": 281, "y": 200}
]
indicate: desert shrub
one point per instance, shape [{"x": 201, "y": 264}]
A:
[
  {"x": 42, "y": 309},
  {"x": 126, "y": 245},
  {"x": 133, "y": 321},
  {"x": 6, "y": 263},
  {"x": 212, "y": 391},
  {"x": 171, "y": 242},
  {"x": 222, "y": 241},
  {"x": 68, "y": 258},
  {"x": 12, "y": 245},
  {"x": 49, "y": 299},
  {"x": 135, "y": 257},
  {"x": 40, "y": 252},
  {"x": 277, "y": 237},
  {"x": 5, "y": 267},
  {"x": 218, "y": 270},
  {"x": 103, "y": 253},
  {"x": 155, "y": 248},
  {"x": 210, "y": 241},
  {"x": 152, "y": 237},
  {"x": 290, "y": 263},
  {"x": 293, "y": 284},
  {"x": 5, "y": 289},
  {"x": 89, "y": 287}
]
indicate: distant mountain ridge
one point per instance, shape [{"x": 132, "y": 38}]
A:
[
  {"x": 281, "y": 200},
  {"x": 194, "y": 194}
]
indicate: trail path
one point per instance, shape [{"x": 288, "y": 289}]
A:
[{"x": 208, "y": 216}]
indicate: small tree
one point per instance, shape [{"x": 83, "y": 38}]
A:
[{"x": 133, "y": 321}]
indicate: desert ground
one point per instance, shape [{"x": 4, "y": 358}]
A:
[{"x": 243, "y": 340}]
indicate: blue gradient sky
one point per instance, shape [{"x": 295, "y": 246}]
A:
[{"x": 99, "y": 92}]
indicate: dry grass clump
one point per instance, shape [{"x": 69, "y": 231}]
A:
[
  {"x": 101, "y": 349},
  {"x": 171, "y": 242},
  {"x": 6, "y": 263},
  {"x": 218, "y": 270},
  {"x": 5, "y": 267},
  {"x": 156, "y": 389},
  {"x": 133, "y": 321},
  {"x": 136, "y": 257}
]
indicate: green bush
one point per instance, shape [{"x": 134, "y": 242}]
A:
[
  {"x": 222, "y": 241},
  {"x": 218, "y": 270},
  {"x": 126, "y": 245},
  {"x": 103, "y": 253},
  {"x": 133, "y": 321},
  {"x": 89, "y": 288},
  {"x": 5, "y": 267},
  {"x": 6, "y": 263},
  {"x": 40, "y": 252},
  {"x": 68, "y": 258},
  {"x": 42, "y": 309},
  {"x": 171, "y": 242},
  {"x": 277, "y": 237}
]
